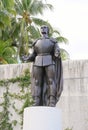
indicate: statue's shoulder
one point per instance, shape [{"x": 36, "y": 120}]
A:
[
  {"x": 35, "y": 41},
  {"x": 53, "y": 40}
]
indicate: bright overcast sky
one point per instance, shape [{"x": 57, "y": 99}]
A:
[{"x": 71, "y": 18}]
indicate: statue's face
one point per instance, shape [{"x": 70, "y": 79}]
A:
[{"x": 44, "y": 30}]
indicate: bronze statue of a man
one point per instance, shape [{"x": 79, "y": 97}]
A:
[{"x": 47, "y": 79}]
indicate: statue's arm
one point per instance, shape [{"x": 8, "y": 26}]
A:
[
  {"x": 56, "y": 51},
  {"x": 30, "y": 57}
]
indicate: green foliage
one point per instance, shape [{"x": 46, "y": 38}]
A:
[
  {"x": 19, "y": 22},
  {"x": 6, "y": 52},
  {"x": 61, "y": 39},
  {"x": 6, "y": 12},
  {"x": 8, "y": 3},
  {"x": 27, "y": 10},
  {"x": 4, "y": 115},
  {"x": 24, "y": 96},
  {"x": 64, "y": 54},
  {"x": 34, "y": 33},
  {"x": 24, "y": 80},
  {"x": 4, "y": 19}
]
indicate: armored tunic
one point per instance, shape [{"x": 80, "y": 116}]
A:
[{"x": 43, "y": 51}]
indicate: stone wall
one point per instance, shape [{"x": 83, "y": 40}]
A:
[
  {"x": 11, "y": 95},
  {"x": 74, "y": 99}
]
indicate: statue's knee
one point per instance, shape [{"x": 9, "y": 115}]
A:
[
  {"x": 50, "y": 81},
  {"x": 36, "y": 82}
]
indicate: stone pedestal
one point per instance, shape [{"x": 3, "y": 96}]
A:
[{"x": 42, "y": 118}]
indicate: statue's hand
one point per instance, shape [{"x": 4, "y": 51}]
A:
[
  {"x": 24, "y": 58},
  {"x": 57, "y": 54}
]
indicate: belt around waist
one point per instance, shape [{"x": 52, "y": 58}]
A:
[{"x": 43, "y": 54}]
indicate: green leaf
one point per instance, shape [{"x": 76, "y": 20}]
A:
[
  {"x": 12, "y": 11},
  {"x": 10, "y": 60},
  {"x": 49, "y": 6},
  {"x": 2, "y": 46},
  {"x": 1, "y": 25},
  {"x": 24, "y": 2},
  {"x": 64, "y": 54},
  {"x": 5, "y": 44},
  {"x": 1, "y": 5},
  {"x": 8, "y": 3},
  {"x": 34, "y": 32},
  {"x": 5, "y": 18},
  {"x": 61, "y": 39},
  {"x": 39, "y": 21},
  {"x": 8, "y": 51},
  {"x": 37, "y": 7},
  {"x": 15, "y": 30},
  {"x": 56, "y": 32},
  {"x": 19, "y": 7},
  {"x": 14, "y": 122}
]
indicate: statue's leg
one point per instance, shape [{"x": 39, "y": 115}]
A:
[
  {"x": 37, "y": 74},
  {"x": 50, "y": 72}
]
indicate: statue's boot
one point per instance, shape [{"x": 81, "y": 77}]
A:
[
  {"x": 52, "y": 102},
  {"x": 36, "y": 101}
]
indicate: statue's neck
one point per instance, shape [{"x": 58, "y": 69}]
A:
[{"x": 45, "y": 36}]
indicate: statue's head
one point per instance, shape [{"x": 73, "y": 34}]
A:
[{"x": 44, "y": 29}]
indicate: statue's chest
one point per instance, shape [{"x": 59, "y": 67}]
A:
[{"x": 44, "y": 45}]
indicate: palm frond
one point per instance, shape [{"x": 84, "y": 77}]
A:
[
  {"x": 37, "y": 7},
  {"x": 8, "y": 51},
  {"x": 19, "y": 7},
  {"x": 39, "y": 22},
  {"x": 3, "y": 61},
  {"x": 5, "y": 18},
  {"x": 8, "y": 3},
  {"x": 1, "y": 25},
  {"x": 49, "y": 6},
  {"x": 1, "y": 4},
  {"x": 10, "y": 60},
  {"x": 5, "y": 44},
  {"x": 61, "y": 39},
  {"x": 15, "y": 30},
  {"x": 11, "y": 11},
  {"x": 56, "y": 32},
  {"x": 34, "y": 32},
  {"x": 64, "y": 54},
  {"x": 26, "y": 4}
]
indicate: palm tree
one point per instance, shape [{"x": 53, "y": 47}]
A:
[
  {"x": 27, "y": 10},
  {"x": 24, "y": 28},
  {"x": 26, "y": 21}
]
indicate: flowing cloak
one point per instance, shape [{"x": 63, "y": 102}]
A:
[{"x": 58, "y": 83}]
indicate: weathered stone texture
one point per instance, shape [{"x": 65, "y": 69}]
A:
[{"x": 74, "y": 99}]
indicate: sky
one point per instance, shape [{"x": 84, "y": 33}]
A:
[{"x": 70, "y": 17}]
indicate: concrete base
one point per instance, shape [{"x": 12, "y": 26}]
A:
[{"x": 42, "y": 118}]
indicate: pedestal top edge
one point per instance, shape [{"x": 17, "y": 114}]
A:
[{"x": 42, "y": 108}]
